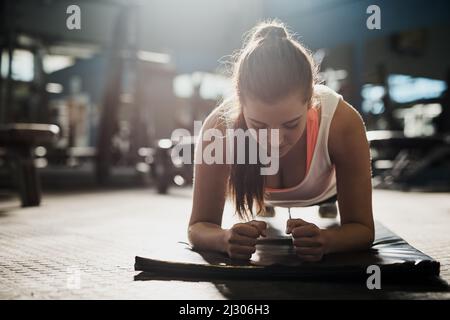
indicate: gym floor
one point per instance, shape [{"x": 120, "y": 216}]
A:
[{"x": 81, "y": 245}]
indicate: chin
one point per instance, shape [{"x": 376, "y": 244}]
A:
[{"x": 283, "y": 152}]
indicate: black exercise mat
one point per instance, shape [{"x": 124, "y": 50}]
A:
[{"x": 275, "y": 259}]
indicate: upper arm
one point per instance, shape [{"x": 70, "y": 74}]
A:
[
  {"x": 350, "y": 153},
  {"x": 210, "y": 180}
]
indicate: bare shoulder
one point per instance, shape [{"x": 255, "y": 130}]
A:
[
  {"x": 346, "y": 119},
  {"x": 214, "y": 132},
  {"x": 347, "y": 131},
  {"x": 219, "y": 117}
]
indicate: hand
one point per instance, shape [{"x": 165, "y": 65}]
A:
[
  {"x": 240, "y": 240},
  {"x": 308, "y": 239}
]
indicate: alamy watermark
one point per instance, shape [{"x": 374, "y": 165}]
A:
[
  {"x": 374, "y": 280},
  {"x": 73, "y": 21},
  {"x": 373, "y": 22},
  {"x": 213, "y": 152}
]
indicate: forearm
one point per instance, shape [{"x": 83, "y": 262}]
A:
[
  {"x": 207, "y": 236},
  {"x": 348, "y": 237}
]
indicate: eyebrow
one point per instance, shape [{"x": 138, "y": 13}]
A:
[{"x": 289, "y": 121}]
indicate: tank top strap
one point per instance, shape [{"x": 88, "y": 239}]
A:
[{"x": 312, "y": 132}]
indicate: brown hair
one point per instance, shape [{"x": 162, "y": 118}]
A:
[{"x": 270, "y": 65}]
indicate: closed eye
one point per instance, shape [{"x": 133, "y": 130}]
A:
[
  {"x": 292, "y": 125},
  {"x": 258, "y": 125}
]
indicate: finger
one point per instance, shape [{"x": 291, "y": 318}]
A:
[
  {"x": 260, "y": 225},
  {"x": 293, "y": 223},
  {"x": 308, "y": 251},
  {"x": 310, "y": 230},
  {"x": 242, "y": 249},
  {"x": 247, "y": 230},
  {"x": 307, "y": 242},
  {"x": 236, "y": 238}
]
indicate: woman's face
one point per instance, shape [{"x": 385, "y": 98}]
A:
[{"x": 288, "y": 115}]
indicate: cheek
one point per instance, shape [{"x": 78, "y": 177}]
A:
[
  {"x": 264, "y": 136},
  {"x": 295, "y": 135},
  {"x": 292, "y": 136}
]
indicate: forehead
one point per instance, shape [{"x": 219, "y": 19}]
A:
[{"x": 279, "y": 111}]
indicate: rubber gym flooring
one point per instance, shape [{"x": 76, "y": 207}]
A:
[{"x": 82, "y": 244}]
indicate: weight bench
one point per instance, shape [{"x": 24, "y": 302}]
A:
[
  {"x": 405, "y": 160},
  {"x": 18, "y": 141}
]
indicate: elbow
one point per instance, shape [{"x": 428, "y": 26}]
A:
[
  {"x": 191, "y": 234},
  {"x": 370, "y": 237},
  {"x": 194, "y": 235},
  {"x": 366, "y": 236}
]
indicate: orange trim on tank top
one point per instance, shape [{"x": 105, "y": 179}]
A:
[{"x": 312, "y": 132}]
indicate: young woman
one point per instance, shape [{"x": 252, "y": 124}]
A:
[{"x": 323, "y": 155}]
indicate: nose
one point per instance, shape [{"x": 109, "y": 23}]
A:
[{"x": 274, "y": 142}]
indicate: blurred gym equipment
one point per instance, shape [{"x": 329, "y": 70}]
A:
[
  {"x": 136, "y": 111},
  {"x": 415, "y": 151},
  {"x": 408, "y": 161},
  {"x": 18, "y": 141}
]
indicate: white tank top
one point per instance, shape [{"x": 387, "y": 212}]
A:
[{"x": 319, "y": 183}]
